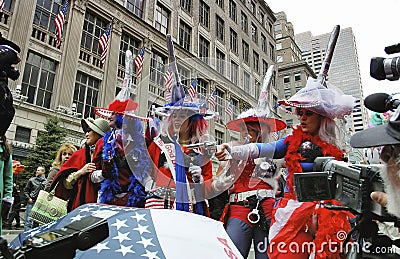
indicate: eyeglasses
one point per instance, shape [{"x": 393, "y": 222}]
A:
[
  {"x": 301, "y": 112},
  {"x": 88, "y": 130}
]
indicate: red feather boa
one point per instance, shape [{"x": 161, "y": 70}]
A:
[{"x": 330, "y": 223}]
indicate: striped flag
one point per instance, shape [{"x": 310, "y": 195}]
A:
[
  {"x": 229, "y": 111},
  {"x": 168, "y": 79},
  {"x": 59, "y": 21},
  {"x": 275, "y": 135},
  {"x": 103, "y": 43},
  {"x": 192, "y": 89},
  {"x": 2, "y": 3},
  {"x": 212, "y": 100},
  {"x": 139, "y": 61}
]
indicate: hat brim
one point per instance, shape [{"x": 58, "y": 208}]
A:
[
  {"x": 373, "y": 137},
  {"x": 168, "y": 110},
  {"x": 86, "y": 125},
  {"x": 274, "y": 124}
]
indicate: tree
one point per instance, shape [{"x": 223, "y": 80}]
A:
[{"x": 47, "y": 144}]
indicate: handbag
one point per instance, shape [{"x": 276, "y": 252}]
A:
[{"x": 48, "y": 207}]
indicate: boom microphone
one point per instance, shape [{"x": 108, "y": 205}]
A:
[{"x": 381, "y": 102}]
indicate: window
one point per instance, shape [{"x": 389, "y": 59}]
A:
[
  {"x": 184, "y": 35},
  {"x": 232, "y": 10},
  {"x": 202, "y": 88},
  {"x": 235, "y": 107},
  {"x": 219, "y": 137},
  {"x": 278, "y": 46},
  {"x": 245, "y": 50},
  {"x": 234, "y": 73},
  {"x": 254, "y": 33},
  {"x": 220, "y": 28},
  {"x": 263, "y": 43},
  {"x": 186, "y": 5},
  {"x": 233, "y": 41},
  {"x": 297, "y": 77},
  {"x": 157, "y": 69},
  {"x": 220, "y": 62},
  {"x": 287, "y": 92},
  {"x": 279, "y": 59},
  {"x": 45, "y": 13},
  {"x": 256, "y": 59},
  {"x": 253, "y": 7},
  {"x": 264, "y": 67},
  {"x": 22, "y": 134},
  {"x": 246, "y": 82},
  {"x": 257, "y": 88},
  {"x": 289, "y": 123},
  {"x": 278, "y": 27},
  {"x": 38, "y": 79},
  {"x": 244, "y": 22},
  {"x": 262, "y": 18},
  {"x": 271, "y": 51},
  {"x": 162, "y": 19},
  {"x": 204, "y": 49},
  {"x": 204, "y": 14},
  {"x": 220, "y": 101},
  {"x": 93, "y": 28},
  {"x": 85, "y": 94},
  {"x": 220, "y": 3},
  {"x": 135, "y": 6},
  {"x": 7, "y": 5},
  {"x": 286, "y": 79},
  {"x": 127, "y": 42},
  {"x": 184, "y": 75}
]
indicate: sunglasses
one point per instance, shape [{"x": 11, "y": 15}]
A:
[{"x": 300, "y": 112}]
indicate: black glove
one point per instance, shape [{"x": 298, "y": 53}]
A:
[{"x": 107, "y": 168}]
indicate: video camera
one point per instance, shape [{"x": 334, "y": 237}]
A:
[
  {"x": 60, "y": 243},
  {"x": 386, "y": 68},
  {"x": 350, "y": 184},
  {"x": 9, "y": 56}
]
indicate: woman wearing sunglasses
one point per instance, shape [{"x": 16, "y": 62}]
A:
[{"x": 296, "y": 224}]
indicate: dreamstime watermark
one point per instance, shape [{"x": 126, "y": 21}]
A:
[{"x": 330, "y": 246}]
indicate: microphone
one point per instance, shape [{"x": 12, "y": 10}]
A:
[
  {"x": 392, "y": 49},
  {"x": 381, "y": 102}
]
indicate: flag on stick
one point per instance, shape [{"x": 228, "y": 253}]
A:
[
  {"x": 192, "y": 89},
  {"x": 168, "y": 79},
  {"x": 103, "y": 43},
  {"x": 139, "y": 61},
  {"x": 212, "y": 100},
  {"x": 58, "y": 21},
  {"x": 2, "y": 3},
  {"x": 229, "y": 111}
]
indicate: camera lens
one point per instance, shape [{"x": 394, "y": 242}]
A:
[{"x": 385, "y": 68}]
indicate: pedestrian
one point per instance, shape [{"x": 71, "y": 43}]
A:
[
  {"x": 295, "y": 223},
  {"x": 124, "y": 156},
  {"x": 182, "y": 173},
  {"x": 31, "y": 192},
  {"x": 6, "y": 180},
  {"x": 74, "y": 175},
  {"x": 254, "y": 187},
  {"x": 15, "y": 209},
  {"x": 63, "y": 154}
]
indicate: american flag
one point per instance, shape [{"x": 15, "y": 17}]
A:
[
  {"x": 59, "y": 21},
  {"x": 275, "y": 135},
  {"x": 103, "y": 43},
  {"x": 212, "y": 100},
  {"x": 168, "y": 79},
  {"x": 2, "y": 3},
  {"x": 229, "y": 111},
  {"x": 144, "y": 233},
  {"x": 192, "y": 89},
  {"x": 139, "y": 61}
]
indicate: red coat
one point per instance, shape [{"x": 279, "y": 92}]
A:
[{"x": 84, "y": 191}]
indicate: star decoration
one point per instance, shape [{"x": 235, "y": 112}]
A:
[
  {"x": 146, "y": 242},
  {"x": 101, "y": 246},
  {"x": 151, "y": 255},
  {"x": 125, "y": 249},
  {"x": 139, "y": 217},
  {"x": 122, "y": 236},
  {"x": 77, "y": 218},
  {"x": 119, "y": 224},
  {"x": 142, "y": 229}
]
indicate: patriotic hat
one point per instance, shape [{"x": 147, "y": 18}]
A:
[
  {"x": 116, "y": 107},
  {"x": 181, "y": 100},
  {"x": 327, "y": 101},
  {"x": 251, "y": 116}
]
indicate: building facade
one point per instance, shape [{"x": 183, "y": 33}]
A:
[{"x": 227, "y": 45}]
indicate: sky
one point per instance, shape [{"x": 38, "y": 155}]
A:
[{"x": 375, "y": 25}]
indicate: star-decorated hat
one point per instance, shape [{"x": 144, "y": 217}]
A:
[
  {"x": 251, "y": 116},
  {"x": 327, "y": 101}
]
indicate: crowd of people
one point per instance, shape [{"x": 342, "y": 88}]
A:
[{"x": 167, "y": 166}]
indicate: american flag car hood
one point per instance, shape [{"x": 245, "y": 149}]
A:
[{"x": 147, "y": 233}]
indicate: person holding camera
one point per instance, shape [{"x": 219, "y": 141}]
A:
[
  {"x": 388, "y": 136},
  {"x": 295, "y": 223}
]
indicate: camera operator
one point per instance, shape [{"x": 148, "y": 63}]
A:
[
  {"x": 388, "y": 136},
  {"x": 9, "y": 55}
]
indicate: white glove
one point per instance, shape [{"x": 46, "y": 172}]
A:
[
  {"x": 9, "y": 200},
  {"x": 195, "y": 170},
  {"x": 244, "y": 152},
  {"x": 223, "y": 182}
]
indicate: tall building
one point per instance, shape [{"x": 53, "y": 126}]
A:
[
  {"x": 227, "y": 45},
  {"x": 293, "y": 71},
  {"x": 344, "y": 71}
]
